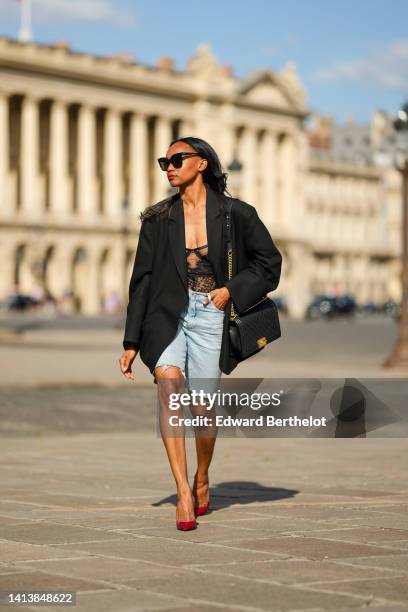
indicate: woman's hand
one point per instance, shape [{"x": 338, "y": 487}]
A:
[
  {"x": 125, "y": 362},
  {"x": 219, "y": 297}
]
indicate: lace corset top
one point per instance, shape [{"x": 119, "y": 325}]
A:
[{"x": 200, "y": 273}]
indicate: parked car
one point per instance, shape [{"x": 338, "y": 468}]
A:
[
  {"x": 321, "y": 306},
  {"x": 392, "y": 309},
  {"x": 281, "y": 304},
  {"x": 345, "y": 305},
  {"x": 21, "y": 302},
  {"x": 326, "y": 306},
  {"x": 368, "y": 308}
]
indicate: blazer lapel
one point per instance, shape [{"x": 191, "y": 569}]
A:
[
  {"x": 214, "y": 222},
  {"x": 177, "y": 238}
]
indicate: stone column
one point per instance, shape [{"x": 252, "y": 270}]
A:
[
  {"x": 86, "y": 168},
  {"x": 268, "y": 157},
  {"x": 162, "y": 139},
  {"x": 26, "y": 280},
  {"x": 249, "y": 161},
  {"x": 7, "y": 255},
  {"x": 59, "y": 269},
  {"x": 113, "y": 192},
  {"x": 206, "y": 125},
  {"x": 138, "y": 187},
  {"x": 227, "y": 135},
  {"x": 59, "y": 159},
  {"x": 6, "y": 208},
  {"x": 299, "y": 173},
  {"x": 298, "y": 285},
  {"x": 187, "y": 128},
  {"x": 287, "y": 169},
  {"x": 90, "y": 290},
  {"x": 112, "y": 281},
  {"x": 29, "y": 156}
]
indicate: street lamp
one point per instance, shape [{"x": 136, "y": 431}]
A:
[
  {"x": 399, "y": 355},
  {"x": 234, "y": 174}
]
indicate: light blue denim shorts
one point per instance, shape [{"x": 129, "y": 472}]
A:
[{"x": 196, "y": 347}]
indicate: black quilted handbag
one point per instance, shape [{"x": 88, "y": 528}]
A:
[{"x": 252, "y": 329}]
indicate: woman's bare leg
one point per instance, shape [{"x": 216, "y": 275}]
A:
[
  {"x": 205, "y": 438},
  {"x": 171, "y": 380}
]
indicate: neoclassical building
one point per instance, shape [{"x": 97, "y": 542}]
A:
[
  {"x": 79, "y": 138},
  {"x": 354, "y": 211}
]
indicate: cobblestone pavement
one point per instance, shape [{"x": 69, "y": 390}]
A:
[
  {"x": 78, "y": 353},
  {"x": 88, "y": 505},
  {"x": 88, "y": 499}
]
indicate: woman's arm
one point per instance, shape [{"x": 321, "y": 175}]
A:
[
  {"x": 139, "y": 286},
  {"x": 263, "y": 271}
]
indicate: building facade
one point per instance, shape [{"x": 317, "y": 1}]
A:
[
  {"x": 79, "y": 138},
  {"x": 354, "y": 209}
]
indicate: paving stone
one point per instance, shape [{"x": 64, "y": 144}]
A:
[
  {"x": 81, "y": 503},
  {"x": 242, "y": 592},
  {"x": 400, "y": 544},
  {"x": 175, "y": 551},
  {"x": 232, "y": 514},
  {"x": 301, "y": 498},
  {"x": 312, "y": 548},
  {"x": 375, "y": 519},
  {"x": 322, "y": 512},
  {"x": 377, "y": 607},
  {"x": 122, "y": 601},
  {"x": 391, "y": 589},
  {"x": 366, "y": 535},
  {"x": 318, "y": 516},
  {"x": 353, "y": 492},
  {"x": 21, "y": 551},
  {"x": 103, "y": 520},
  {"x": 100, "y": 568},
  {"x": 200, "y": 608},
  {"x": 100, "y": 485},
  {"x": 395, "y": 561},
  {"x": 13, "y": 508},
  {"x": 27, "y": 581},
  {"x": 275, "y": 525},
  {"x": 294, "y": 571},
  {"x": 50, "y": 533},
  {"x": 9, "y": 568},
  {"x": 205, "y": 532},
  {"x": 390, "y": 508},
  {"x": 11, "y": 520}
]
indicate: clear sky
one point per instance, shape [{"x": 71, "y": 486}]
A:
[{"x": 351, "y": 55}]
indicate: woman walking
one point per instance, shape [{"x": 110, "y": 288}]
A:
[{"x": 180, "y": 297}]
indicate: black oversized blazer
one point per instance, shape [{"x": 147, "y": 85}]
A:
[{"x": 158, "y": 290}]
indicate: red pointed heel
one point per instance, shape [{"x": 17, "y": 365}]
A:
[
  {"x": 186, "y": 525},
  {"x": 200, "y": 510}
]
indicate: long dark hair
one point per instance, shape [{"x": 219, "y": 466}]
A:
[{"x": 213, "y": 175}]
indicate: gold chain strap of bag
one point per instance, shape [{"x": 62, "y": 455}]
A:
[
  {"x": 228, "y": 213},
  {"x": 254, "y": 328},
  {"x": 232, "y": 313}
]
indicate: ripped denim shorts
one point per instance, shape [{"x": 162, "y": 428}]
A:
[{"x": 196, "y": 347}]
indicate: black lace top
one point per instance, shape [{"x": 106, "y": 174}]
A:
[{"x": 200, "y": 273}]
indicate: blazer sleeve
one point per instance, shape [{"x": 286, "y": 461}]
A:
[
  {"x": 139, "y": 287},
  {"x": 263, "y": 271}
]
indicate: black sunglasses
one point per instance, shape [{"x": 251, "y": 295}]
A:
[{"x": 176, "y": 160}]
